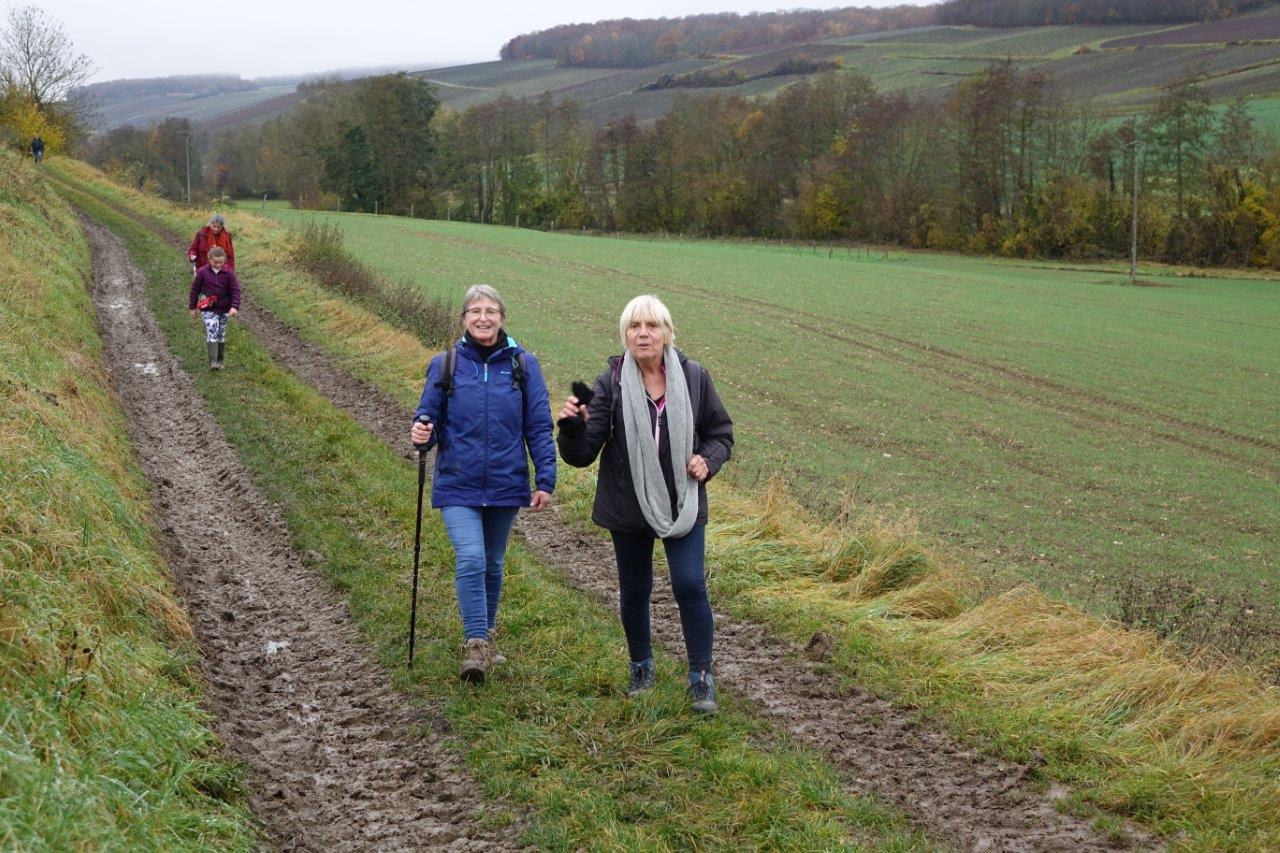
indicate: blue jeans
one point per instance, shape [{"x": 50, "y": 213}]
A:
[
  {"x": 479, "y": 536},
  {"x": 685, "y": 557}
]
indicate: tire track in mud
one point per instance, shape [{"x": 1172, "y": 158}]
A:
[
  {"x": 337, "y": 760},
  {"x": 879, "y": 748}
]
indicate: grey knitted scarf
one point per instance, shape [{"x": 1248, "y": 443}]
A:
[{"x": 642, "y": 450}]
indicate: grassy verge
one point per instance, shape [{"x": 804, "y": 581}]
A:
[
  {"x": 102, "y": 745},
  {"x": 1189, "y": 747},
  {"x": 555, "y": 729}
]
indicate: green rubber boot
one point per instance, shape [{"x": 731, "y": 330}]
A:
[{"x": 213, "y": 356}]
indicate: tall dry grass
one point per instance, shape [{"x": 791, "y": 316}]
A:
[{"x": 1188, "y": 743}]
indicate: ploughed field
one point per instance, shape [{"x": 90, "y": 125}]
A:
[{"x": 1050, "y": 420}]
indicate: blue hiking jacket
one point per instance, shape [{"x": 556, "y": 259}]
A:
[{"x": 481, "y": 459}]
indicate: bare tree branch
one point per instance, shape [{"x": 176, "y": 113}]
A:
[{"x": 37, "y": 57}]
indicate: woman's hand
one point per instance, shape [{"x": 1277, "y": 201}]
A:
[
  {"x": 697, "y": 468},
  {"x": 572, "y": 409},
  {"x": 541, "y": 500},
  {"x": 420, "y": 433}
]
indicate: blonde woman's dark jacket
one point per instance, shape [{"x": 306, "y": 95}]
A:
[{"x": 616, "y": 507}]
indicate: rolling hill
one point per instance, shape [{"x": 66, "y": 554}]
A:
[{"x": 1121, "y": 66}]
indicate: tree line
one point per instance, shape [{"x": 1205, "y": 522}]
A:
[
  {"x": 632, "y": 43},
  {"x": 187, "y": 84},
  {"x": 1008, "y": 164}
]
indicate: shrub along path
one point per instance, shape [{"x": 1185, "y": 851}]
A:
[
  {"x": 327, "y": 740},
  {"x": 879, "y": 748}
]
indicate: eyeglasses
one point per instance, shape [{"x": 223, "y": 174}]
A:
[{"x": 483, "y": 312}]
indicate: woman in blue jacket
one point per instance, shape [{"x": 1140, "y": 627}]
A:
[{"x": 481, "y": 419}]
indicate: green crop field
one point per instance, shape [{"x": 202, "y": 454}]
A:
[{"x": 1045, "y": 419}]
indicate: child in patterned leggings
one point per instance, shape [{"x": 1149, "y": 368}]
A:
[{"x": 215, "y": 296}]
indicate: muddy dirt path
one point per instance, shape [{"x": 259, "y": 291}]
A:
[
  {"x": 338, "y": 761},
  {"x": 971, "y": 800}
]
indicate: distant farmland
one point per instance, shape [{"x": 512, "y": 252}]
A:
[
  {"x": 1091, "y": 61},
  {"x": 1263, "y": 25},
  {"x": 1084, "y": 433},
  {"x": 149, "y": 109}
]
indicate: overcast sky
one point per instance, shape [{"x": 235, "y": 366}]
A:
[{"x": 156, "y": 38}]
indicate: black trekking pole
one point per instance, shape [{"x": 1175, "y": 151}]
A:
[{"x": 417, "y": 540}]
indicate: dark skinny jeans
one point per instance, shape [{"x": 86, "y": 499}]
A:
[{"x": 686, "y": 557}]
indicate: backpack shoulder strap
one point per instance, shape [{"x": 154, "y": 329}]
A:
[
  {"x": 518, "y": 370},
  {"x": 447, "y": 369}
]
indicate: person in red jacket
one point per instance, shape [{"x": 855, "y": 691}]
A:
[
  {"x": 215, "y": 296},
  {"x": 213, "y": 234}
]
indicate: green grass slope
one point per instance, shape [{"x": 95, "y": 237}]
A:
[{"x": 102, "y": 745}]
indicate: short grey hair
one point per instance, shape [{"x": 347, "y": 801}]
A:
[
  {"x": 217, "y": 219},
  {"x": 476, "y": 292},
  {"x": 647, "y": 307}
]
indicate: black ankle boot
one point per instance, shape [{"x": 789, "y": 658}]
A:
[{"x": 702, "y": 693}]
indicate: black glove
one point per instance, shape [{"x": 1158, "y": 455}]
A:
[{"x": 583, "y": 392}]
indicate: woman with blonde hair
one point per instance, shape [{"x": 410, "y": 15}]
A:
[{"x": 656, "y": 422}]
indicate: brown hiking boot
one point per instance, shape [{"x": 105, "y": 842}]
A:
[
  {"x": 496, "y": 657},
  {"x": 476, "y": 664}
]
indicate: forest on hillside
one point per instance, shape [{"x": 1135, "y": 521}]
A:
[{"x": 631, "y": 43}]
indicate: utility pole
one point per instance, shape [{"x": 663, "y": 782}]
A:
[
  {"x": 187, "y": 147},
  {"x": 1133, "y": 227}
]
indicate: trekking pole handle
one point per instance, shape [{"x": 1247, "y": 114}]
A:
[{"x": 422, "y": 419}]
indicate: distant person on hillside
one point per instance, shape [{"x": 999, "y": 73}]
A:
[
  {"x": 214, "y": 297},
  {"x": 656, "y": 422},
  {"x": 484, "y": 403},
  {"x": 37, "y": 148},
  {"x": 213, "y": 234}
]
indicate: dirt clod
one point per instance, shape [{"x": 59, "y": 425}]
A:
[{"x": 820, "y": 647}]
